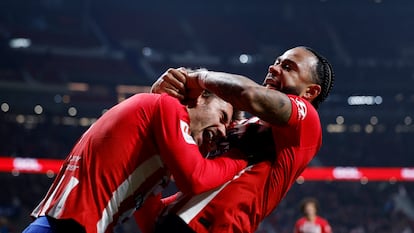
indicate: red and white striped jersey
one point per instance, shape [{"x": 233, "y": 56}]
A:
[
  {"x": 124, "y": 157},
  {"x": 320, "y": 225}
]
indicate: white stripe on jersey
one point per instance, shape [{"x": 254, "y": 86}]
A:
[
  {"x": 57, "y": 209},
  {"x": 198, "y": 202},
  {"x": 42, "y": 208},
  {"x": 126, "y": 189}
]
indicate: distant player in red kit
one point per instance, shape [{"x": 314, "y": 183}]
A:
[
  {"x": 311, "y": 222},
  {"x": 296, "y": 84},
  {"x": 129, "y": 154}
]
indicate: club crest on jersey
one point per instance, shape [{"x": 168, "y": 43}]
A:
[
  {"x": 185, "y": 130},
  {"x": 302, "y": 109}
]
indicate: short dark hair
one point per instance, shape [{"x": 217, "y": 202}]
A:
[
  {"x": 323, "y": 75},
  {"x": 307, "y": 201}
]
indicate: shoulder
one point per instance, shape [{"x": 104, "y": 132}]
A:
[
  {"x": 302, "y": 110},
  {"x": 300, "y": 221},
  {"x": 322, "y": 221}
]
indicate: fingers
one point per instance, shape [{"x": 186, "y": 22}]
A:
[
  {"x": 175, "y": 78},
  {"x": 171, "y": 82},
  {"x": 173, "y": 92}
]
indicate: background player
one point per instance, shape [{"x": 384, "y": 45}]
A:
[
  {"x": 295, "y": 85},
  {"x": 311, "y": 222},
  {"x": 128, "y": 154}
]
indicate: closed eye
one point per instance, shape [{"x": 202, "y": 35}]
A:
[{"x": 225, "y": 118}]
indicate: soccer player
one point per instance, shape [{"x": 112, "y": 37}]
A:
[
  {"x": 311, "y": 222},
  {"x": 296, "y": 84},
  {"x": 129, "y": 154}
]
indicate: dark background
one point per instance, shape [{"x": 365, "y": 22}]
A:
[{"x": 86, "y": 56}]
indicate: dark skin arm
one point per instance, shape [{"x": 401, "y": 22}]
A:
[{"x": 244, "y": 94}]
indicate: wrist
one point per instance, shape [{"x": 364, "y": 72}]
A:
[{"x": 201, "y": 78}]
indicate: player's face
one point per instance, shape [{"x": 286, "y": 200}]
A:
[
  {"x": 208, "y": 121},
  {"x": 292, "y": 72},
  {"x": 310, "y": 209}
]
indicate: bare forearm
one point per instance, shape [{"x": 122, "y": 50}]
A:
[{"x": 244, "y": 94}]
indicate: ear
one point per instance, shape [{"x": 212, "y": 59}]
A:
[{"x": 312, "y": 91}]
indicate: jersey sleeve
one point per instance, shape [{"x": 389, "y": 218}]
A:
[
  {"x": 147, "y": 215},
  {"x": 326, "y": 228},
  {"x": 193, "y": 174},
  {"x": 300, "y": 110}
]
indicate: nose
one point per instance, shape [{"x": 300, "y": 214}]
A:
[
  {"x": 221, "y": 130},
  {"x": 274, "y": 69}
]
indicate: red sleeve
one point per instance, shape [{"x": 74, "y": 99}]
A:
[
  {"x": 193, "y": 174},
  {"x": 326, "y": 228},
  {"x": 147, "y": 215},
  {"x": 297, "y": 226},
  {"x": 170, "y": 199},
  {"x": 299, "y": 110}
]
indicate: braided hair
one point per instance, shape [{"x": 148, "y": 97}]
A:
[{"x": 324, "y": 76}]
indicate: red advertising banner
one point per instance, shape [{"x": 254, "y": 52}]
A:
[{"x": 362, "y": 174}]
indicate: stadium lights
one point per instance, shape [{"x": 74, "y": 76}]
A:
[
  {"x": 5, "y": 107},
  {"x": 408, "y": 120},
  {"x": 373, "y": 120},
  {"x": 340, "y": 120},
  {"x": 38, "y": 109},
  {"x": 147, "y": 51},
  {"x": 72, "y": 111},
  {"x": 364, "y": 100},
  {"x": 17, "y": 43},
  {"x": 245, "y": 58}
]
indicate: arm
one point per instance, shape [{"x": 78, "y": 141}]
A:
[
  {"x": 147, "y": 215},
  {"x": 244, "y": 94},
  {"x": 193, "y": 174},
  {"x": 327, "y": 228}
]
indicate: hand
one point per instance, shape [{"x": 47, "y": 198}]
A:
[
  {"x": 180, "y": 83},
  {"x": 171, "y": 82}
]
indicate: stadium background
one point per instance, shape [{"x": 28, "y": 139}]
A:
[{"x": 63, "y": 63}]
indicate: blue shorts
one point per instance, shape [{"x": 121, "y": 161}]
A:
[{"x": 40, "y": 225}]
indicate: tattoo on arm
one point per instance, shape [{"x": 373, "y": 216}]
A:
[{"x": 244, "y": 94}]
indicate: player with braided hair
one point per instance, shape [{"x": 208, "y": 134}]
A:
[
  {"x": 323, "y": 75},
  {"x": 296, "y": 84}
]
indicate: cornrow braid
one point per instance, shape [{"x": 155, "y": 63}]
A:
[{"x": 325, "y": 77}]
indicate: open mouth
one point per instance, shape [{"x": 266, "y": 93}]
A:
[{"x": 271, "y": 84}]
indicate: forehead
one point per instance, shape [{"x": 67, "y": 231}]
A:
[
  {"x": 301, "y": 56},
  {"x": 310, "y": 203},
  {"x": 222, "y": 105}
]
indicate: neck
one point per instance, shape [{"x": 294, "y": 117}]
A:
[{"x": 311, "y": 218}]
